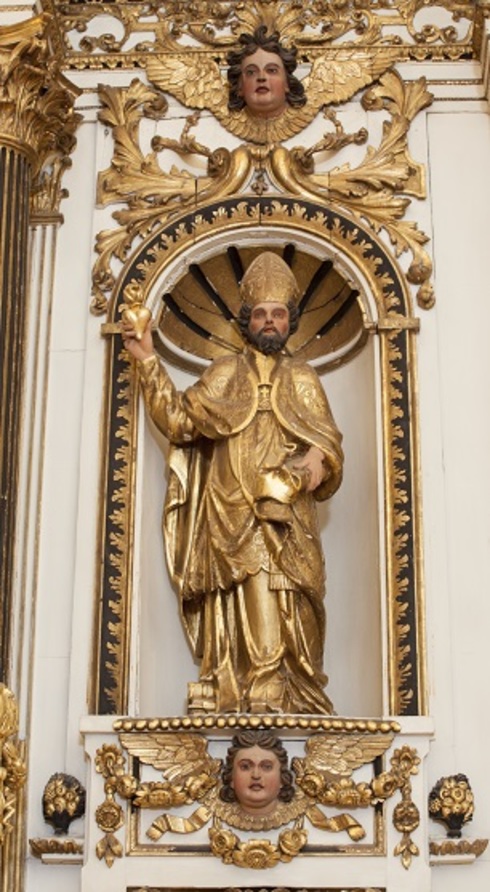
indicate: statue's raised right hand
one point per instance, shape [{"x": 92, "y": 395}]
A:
[{"x": 138, "y": 344}]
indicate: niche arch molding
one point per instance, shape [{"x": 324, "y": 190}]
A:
[{"x": 364, "y": 262}]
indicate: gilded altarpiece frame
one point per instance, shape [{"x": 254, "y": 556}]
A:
[{"x": 396, "y": 328}]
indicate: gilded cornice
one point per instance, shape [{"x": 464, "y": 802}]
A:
[
  {"x": 135, "y": 30},
  {"x": 36, "y": 109}
]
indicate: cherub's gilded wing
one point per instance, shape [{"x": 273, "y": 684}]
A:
[
  {"x": 195, "y": 80},
  {"x": 177, "y": 756},
  {"x": 337, "y": 79},
  {"x": 341, "y": 755}
]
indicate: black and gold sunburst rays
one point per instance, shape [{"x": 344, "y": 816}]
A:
[{"x": 199, "y": 315}]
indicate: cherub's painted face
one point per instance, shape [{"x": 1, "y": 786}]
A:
[
  {"x": 256, "y": 779},
  {"x": 263, "y": 84}
]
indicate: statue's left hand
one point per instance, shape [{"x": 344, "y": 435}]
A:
[{"x": 312, "y": 462}]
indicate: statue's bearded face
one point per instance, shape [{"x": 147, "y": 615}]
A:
[{"x": 268, "y": 328}]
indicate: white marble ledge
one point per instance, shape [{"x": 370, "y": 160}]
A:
[
  {"x": 107, "y": 724},
  {"x": 445, "y": 851},
  {"x": 58, "y": 849}
]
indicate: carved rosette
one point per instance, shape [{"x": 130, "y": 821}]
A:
[{"x": 170, "y": 764}]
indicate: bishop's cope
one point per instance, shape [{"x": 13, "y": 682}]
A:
[{"x": 253, "y": 447}]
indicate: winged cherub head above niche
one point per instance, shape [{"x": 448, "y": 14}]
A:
[{"x": 257, "y": 96}]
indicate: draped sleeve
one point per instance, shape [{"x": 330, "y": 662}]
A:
[{"x": 301, "y": 406}]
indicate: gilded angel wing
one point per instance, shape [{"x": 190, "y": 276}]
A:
[
  {"x": 194, "y": 79},
  {"x": 177, "y": 756},
  {"x": 339, "y": 755},
  {"x": 337, "y": 79}
]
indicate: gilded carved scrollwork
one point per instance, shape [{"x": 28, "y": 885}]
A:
[
  {"x": 376, "y": 190},
  {"x": 151, "y": 193},
  {"x": 451, "y": 31}
]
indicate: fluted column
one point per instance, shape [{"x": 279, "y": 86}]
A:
[{"x": 37, "y": 126}]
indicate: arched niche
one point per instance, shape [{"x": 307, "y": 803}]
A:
[{"x": 375, "y": 637}]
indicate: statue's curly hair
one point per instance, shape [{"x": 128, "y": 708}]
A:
[
  {"x": 267, "y": 740},
  {"x": 250, "y": 43}
]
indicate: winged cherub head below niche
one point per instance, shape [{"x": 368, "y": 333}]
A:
[
  {"x": 256, "y": 773},
  {"x": 260, "y": 76}
]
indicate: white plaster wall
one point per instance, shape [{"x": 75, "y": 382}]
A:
[
  {"x": 454, "y": 367},
  {"x": 67, "y": 518}
]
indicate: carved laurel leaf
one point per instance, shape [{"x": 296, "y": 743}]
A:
[
  {"x": 337, "y": 755},
  {"x": 178, "y": 756}
]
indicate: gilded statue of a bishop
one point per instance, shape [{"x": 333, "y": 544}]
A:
[{"x": 253, "y": 447}]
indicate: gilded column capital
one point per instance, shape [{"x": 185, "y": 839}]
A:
[{"x": 37, "y": 117}]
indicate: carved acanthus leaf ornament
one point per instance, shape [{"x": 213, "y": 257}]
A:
[
  {"x": 36, "y": 109},
  {"x": 376, "y": 190},
  {"x": 151, "y": 193}
]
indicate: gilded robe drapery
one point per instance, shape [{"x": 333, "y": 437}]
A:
[{"x": 249, "y": 569}]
